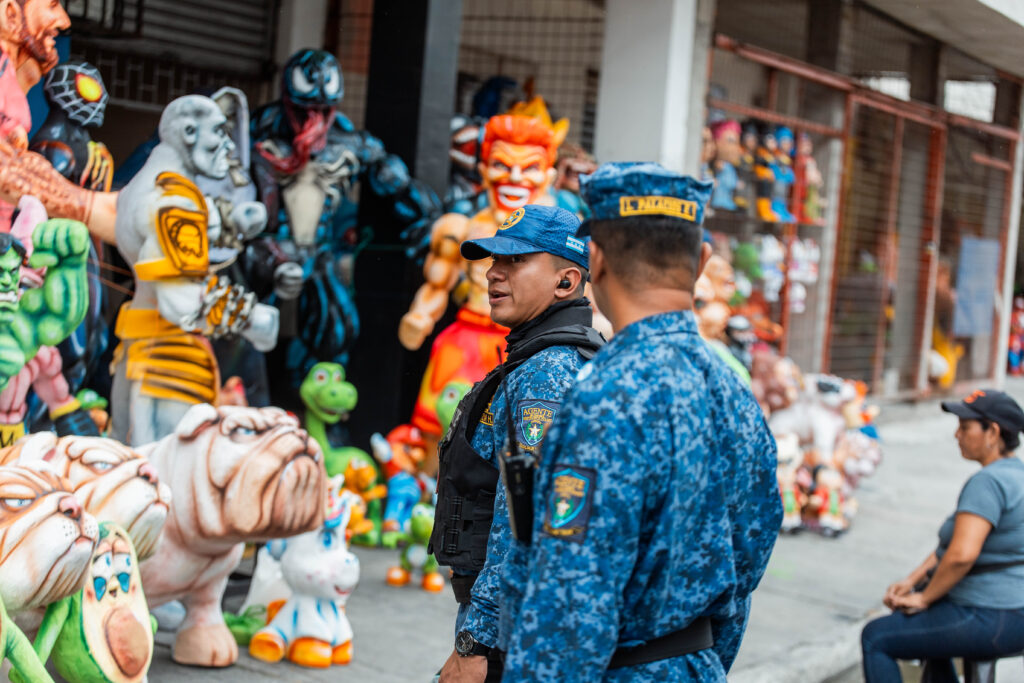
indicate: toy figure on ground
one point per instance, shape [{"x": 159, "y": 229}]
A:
[
  {"x": 782, "y": 168},
  {"x": 793, "y": 499},
  {"x": 41, "y": 318},
  {"x": 826, "y": 501},
  {"x": 46, "y": 538},
  {"x": 516, "y": 165},
  {"x": 307, "y": 155},
  {"x": 728, "y": 186},
  {"x": 102, "y": 633},
  {"x": 415, "y": 555},
  {"x": 329, "y": 399},
  {"x": 238, "y": 475},
  {"x": 401, "y": 454},
  {"x": 17, "y": 650},
  {"x": 113, "y": 482},
  {"x": 164, "y": 364},
  {"x": 808, "y": 201},
  {"x": 816, "y": 418},
  {"x": 311, "y": 628}
]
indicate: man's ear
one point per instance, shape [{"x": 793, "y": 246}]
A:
[
  {"x": 597, "y": 264},
  {"x": 705, "y": 254},
  {"x": 10, "y": 19},
  {"x": 575, "y": 277}
]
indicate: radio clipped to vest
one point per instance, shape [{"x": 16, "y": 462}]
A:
[{"x": 517, "y": 474}]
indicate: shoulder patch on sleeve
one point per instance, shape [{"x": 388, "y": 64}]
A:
[
  {"x": 567, "y": 511},
  {"x": 532, "y": 419}
]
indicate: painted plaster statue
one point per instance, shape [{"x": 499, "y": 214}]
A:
[
  {"x": 826, "y": 501},
  {"x": 329, "y": 399},
  {"x": 809, "y": 180},
  {"x": 401, "y": 455},
  {"x": 28, "y": 29},
  {"x": 311, "y": 628},
  {"x": 728, "y": 190},
  {"x": 112, "y": 481},
  {"x": 16, "y": 649},
  {"x": 415, "y": 556},
  {"x": 102, "y": 633},
  {"x": 237, "y": 475},
  {"x": 764, "y": 172},
  {"x": 46, "y": 538},
  {"x": 816, "y": 417},
  {"x": 465, "y": 194},
  {"x": 43, "y": 371},
  {"x": 78, "y": 98},
  {"x": 306, "y": 157},
  {"x": 790, "y": 457},
  {"x": 165, "y": 364},
  {"x": 748, "y": 181},
  {"x": 573, "y": 162},
  {"x": 782, "y": 168},
  {"x": 516, "y": 165}
]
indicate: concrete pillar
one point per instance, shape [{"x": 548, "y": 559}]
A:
[{"x": 650, "y": 105}]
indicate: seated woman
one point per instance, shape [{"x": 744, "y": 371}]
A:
[{"x": 967, "y": 598}]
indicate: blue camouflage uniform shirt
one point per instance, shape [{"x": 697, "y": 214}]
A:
[
  {"x": 656, "y": 503},
  {"x": 535, "y": 389}
]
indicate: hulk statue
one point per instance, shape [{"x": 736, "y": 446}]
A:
[{"x": 44, "y": 316}]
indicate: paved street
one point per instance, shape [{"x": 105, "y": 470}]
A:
[{"x": 807, "y": 614}]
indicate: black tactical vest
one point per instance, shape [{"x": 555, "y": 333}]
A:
[{"x": 466, "y": 482}]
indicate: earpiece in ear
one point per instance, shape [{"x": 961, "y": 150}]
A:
[{"x": 565, "y": 284}]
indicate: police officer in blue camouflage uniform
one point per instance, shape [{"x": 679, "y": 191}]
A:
[
  {"x": 535, "y": 287},
  {"x": 656, "y": 500}
]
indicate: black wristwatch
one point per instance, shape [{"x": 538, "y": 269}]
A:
[{"x": 467, "y": 646}]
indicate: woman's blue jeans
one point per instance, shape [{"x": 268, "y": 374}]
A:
[{"x": 940, "y": 633}]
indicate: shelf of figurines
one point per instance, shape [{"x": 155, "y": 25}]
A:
[{"x": 744, "y": 224}]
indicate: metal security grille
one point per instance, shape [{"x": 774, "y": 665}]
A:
[
  {"x": 554, "y": 46},
  {"x": 348, "y": 37},
  {"x": 106, "y": 17}
]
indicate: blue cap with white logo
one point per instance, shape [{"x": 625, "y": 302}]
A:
[
  {"x": 532, "y": 229},
  {"x": 624, "y": 189}
]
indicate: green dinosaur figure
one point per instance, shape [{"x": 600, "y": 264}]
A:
[
  {"x": 329, "y": 398},
  {"x": 415, "y": 555},
  {"x": 47, "y": 315},
  {"x": 448, "y": 401},
  {"x": 104, "y": 632},
  {"x": 18, "y": 650}
]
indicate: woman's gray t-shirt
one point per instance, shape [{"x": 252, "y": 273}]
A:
[{"x": 996, "y": 493}]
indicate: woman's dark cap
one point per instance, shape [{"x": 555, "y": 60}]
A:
[{"x": 992, "y": 405}]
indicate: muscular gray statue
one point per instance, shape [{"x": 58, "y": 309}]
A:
[{"x": 164, "y": 363}]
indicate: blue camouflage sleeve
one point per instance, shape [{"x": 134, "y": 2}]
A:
[
  {"x": 585, "y": 541},
  {"x": 534, "y": 395},
  {"x": 755, "y": 510}
]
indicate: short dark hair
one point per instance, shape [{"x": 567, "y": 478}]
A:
[
  {"x": 562, "y": 262},
  {"x": 644, "y": 250},
  {"x": 1008, "y": 441},
  {"x": 8, "y": 242}
]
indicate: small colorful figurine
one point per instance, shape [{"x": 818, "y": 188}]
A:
[
  {"x": 573, "y": 162},
  {"x": 415, "y": 555},
  {"x": 464, "y": 194},
  {"x": 782, "y": 168},
  {"x": 310, "y": 628},
  {"x": 102, "y": 633},
  {"x": 808, "y": 201},
  {"x": 237, "y": 475},
  {"x": 764, "y": 172},
  {"x": 401, "y": 454},
  {"x": 793, "y": 499},
  {"x": 826, "y": 501},
  {"x": 728, "y": 190},
  {"x": 748, "y": 180}
]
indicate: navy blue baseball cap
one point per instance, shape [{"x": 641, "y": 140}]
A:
[
  {"x": 992, "y": 405},
  {"x": 629, "y": 188},
  {"x": 531, "y": 229}
]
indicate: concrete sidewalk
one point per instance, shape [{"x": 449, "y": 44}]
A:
[{"x": 818, "y": 593}]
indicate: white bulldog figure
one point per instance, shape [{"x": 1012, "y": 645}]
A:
[
  {"x": 311, "y": 629},
  {"x": 238, "y": 475}
]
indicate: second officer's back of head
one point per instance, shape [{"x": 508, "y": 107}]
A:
[{"x": 646, "y": 222}]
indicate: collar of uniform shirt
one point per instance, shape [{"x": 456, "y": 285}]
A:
[
  {"x": 560, "y": 314},
  {"x": 670, "y": 322}
]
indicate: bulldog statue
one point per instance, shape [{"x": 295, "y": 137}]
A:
[
  {"x": 46, "y": 538},
  {"x": 112, "y": 481},
  {"x": 238, "y": 475}
]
